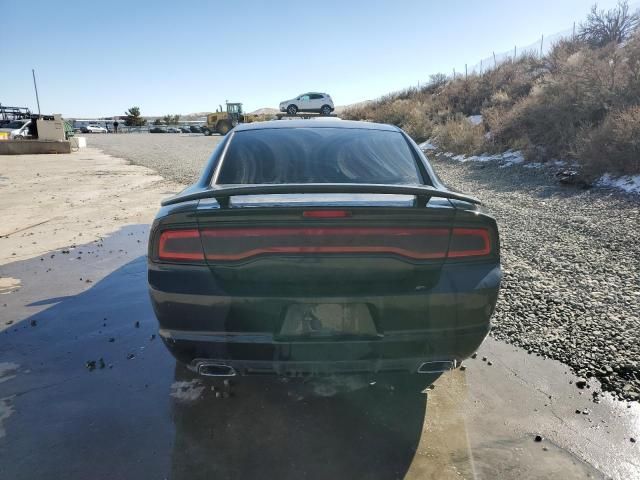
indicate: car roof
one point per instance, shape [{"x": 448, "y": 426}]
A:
[{"x": 311, "y": 123}]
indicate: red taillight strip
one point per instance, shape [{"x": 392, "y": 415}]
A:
[
  {"x": 167, "y": 235},
  {"x": 320, "y": 231},
  {"x": 320, "y": 249},
  {"x": 229, "y": 233},
  {"x": 324, "y": 232},
  {"x": 480, "y": 232}
]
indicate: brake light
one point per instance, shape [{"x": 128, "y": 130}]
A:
[
  {"x": 469, "y": 242},
  {"x": 181, "y": 245},
  {"x": 326, "y": 214}
]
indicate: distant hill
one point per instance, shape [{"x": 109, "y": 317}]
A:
[
  {"x": 265, "y": 111},
  {"x": 341, "y": 108}
]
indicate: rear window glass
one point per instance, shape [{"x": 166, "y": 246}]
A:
[{"x": 319, "y": 155}]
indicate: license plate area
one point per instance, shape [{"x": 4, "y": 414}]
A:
[{"x": 328, "y": 320}]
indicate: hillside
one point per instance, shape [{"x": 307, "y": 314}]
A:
[{"x": 579, "y": 103}]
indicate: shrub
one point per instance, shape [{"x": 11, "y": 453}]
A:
[
  {"x": 612, "y": 26},
  {"x": 460, "y": 136},
  {"x": 614, "y": 146}
]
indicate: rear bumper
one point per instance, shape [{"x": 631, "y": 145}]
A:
[
  {"x": 425, "y": 351},
  {"x": 444, "y": 323}
]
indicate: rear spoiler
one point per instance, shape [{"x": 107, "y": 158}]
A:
[{"x": 222, "y": 193}]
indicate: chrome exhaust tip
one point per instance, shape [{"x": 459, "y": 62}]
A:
[
  {"x": 437, "y": 367},
  {"x": 214, "y": 369}
]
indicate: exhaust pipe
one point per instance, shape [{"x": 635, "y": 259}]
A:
[
  {"x": 437, "y": 367},
  {"x": 212, "y": 369}
]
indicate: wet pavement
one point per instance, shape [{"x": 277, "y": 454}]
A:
[{"x": 138, "y": 415}]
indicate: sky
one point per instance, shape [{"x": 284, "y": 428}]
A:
[{"x": 95, "y": 59}]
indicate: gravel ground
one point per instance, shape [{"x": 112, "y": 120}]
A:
[
  {"x": 571, "y": 258},
  {"x": 571, "y": 261},
  {"x": 179, "y": 157}
]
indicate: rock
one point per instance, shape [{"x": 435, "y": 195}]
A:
[
  {"x": 101, "y": 363},
  {"x": 581, "y": 383},
  {"x": 111, "y": 340},
  {"x": 90, "y": 365},
  {"x": 137, "y": 324},
  {"x": 538, "y": 438},
  {"x": 131, "y": 356},
  {"x": 474, "y": 355},
  {"x": 34, "y": 323}
]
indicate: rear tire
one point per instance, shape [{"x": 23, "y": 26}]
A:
[
  {"x": 325, "y": 110},
  {"x": 292, "y": 109}
]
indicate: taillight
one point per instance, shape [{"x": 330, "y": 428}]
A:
[
  {"x": 469, "y": 242},
  {"x": 180, "y": 245},
  {"x": 234, "y": 244}
]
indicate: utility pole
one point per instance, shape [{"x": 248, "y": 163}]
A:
[
  {"x": 495, "y": 64},
  {"x": 454, "y": 73},
  {"x": 35, "y": 86},
  {"x": 541, "y": 42},
  {"x": 465, "y": 72},
  {"x": 480, "y": 67},
  {"x": 573, "y": 35},
  {"x": 515, "y": 52}
]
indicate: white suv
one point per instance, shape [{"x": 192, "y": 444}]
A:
[{"x": 308, "y": 102}]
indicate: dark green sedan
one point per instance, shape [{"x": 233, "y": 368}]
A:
[{"x": 322, "y": 247}]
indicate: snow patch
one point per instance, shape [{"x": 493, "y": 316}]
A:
[
  {"x": 626, "y": 183},
  {"x": 475, "y": 119},
  {"x": 427, "y": 146},
  {"x": 505, "y": 159}
]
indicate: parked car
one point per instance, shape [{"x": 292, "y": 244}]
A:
[
  {"x": 157, "y": 130},
  {"x": 94, "y": 129},
  {"x": 17, "y": 128},
  {"x": 308, "y": 102},
  {"x": 322, "y": 247},
  {"x": 185, "y": 130},
  {"x": 173, "y": 130},
  {"x": 195, "y": 129}
]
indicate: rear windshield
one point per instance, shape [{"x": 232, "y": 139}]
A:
[{"x": 319, "y": 155}]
